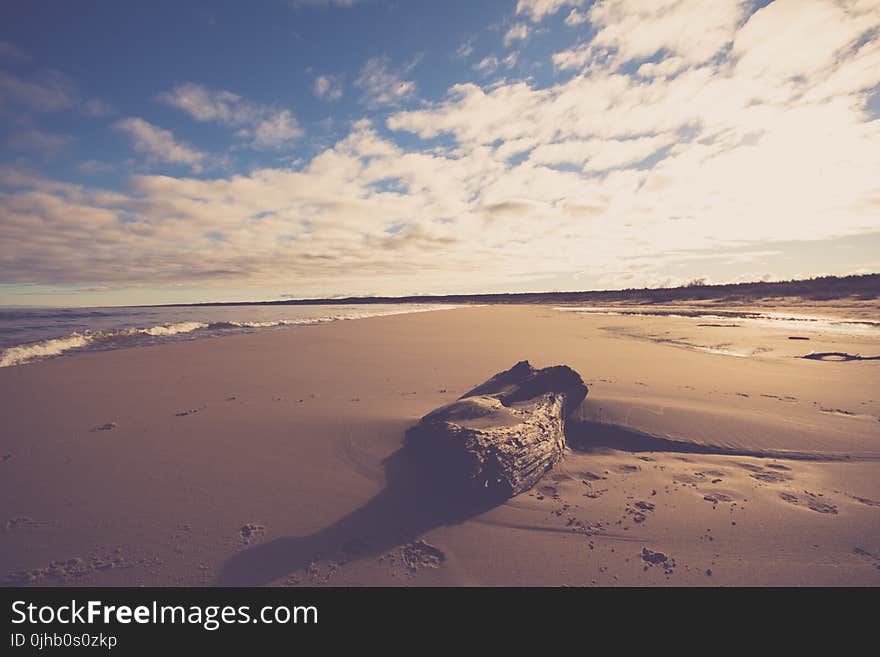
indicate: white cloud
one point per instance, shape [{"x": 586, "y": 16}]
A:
[
  {"x": 383, "y": 86},
  {"x": 576, "y": 17},
  {"x": 487, "y": 65},
  {"x": 772, "y": 44},
  {"x": 517, "y": 32},
  {"x": 465, "y": 48},
  {"x": 328, "y": 87},
  {"x": 490, "y": 64},
  {"x": 664, "y": 68},
  {"x": 574, "y": 58},
  {"x": 159, "y": 144},
  {"x": 599, "y": 154},
  {"x": 638, "y": 30},
  {"x": 537, "y": 10},
  {"x": 263, "y": 126},
  {"x": 278, "y": 128}
]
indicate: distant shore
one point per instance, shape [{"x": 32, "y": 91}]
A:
[{"x": 826, "y": 288}]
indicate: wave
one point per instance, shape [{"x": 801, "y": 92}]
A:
[
  {"x": 45, "y": 349},
  {"x": 172, "y": 329},
  {"x": 93, "y": 340}
]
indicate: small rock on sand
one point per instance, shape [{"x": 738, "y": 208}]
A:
[
  {"x": 250, "y": 531},
  {"x": 107, "y": 426},
  {"x": 420, "y": 554},
  {"x": 653, "y": 557}
]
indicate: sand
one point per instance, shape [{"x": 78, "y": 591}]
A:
[{"x": 274, "y": 458}]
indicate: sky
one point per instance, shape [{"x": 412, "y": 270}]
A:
[{"x": 194, "y": 151}]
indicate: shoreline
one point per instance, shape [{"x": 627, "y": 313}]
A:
[{"x": 861, "y": 314}]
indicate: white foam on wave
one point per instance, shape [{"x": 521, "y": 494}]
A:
[
  {"x": 28, "y": 352},
  {"x": 172, "y": 329}
]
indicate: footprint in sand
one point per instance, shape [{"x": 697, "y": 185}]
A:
[
  {"x": 865, "y": 500},
  {"x": 652, "y": 558},
  {"x": 108, "y": 426},
  {"x": 811, "y": 501},
  {"x": 251, "y": 531},
  {"x": 689, "y": 479},
  {"x": 715, "y": 498},
  {"x": 639, "y": 511},
  {"x": 68, "y": 569},
  {"x": 776, "y": 473},
  {"x": 770, "y": 477},
  {"x": 25, "y": 523},
  {"x": 873, "y": 559},
  {"x": 549, "y": 491}
]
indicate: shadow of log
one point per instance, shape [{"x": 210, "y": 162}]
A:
[
  {"x": 590, "y": 436},
  {"x": 412, "y": 503}
]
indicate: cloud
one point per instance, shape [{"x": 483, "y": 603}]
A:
[
  {"x": 263, "y": 126},
  {"x": 639, "y": 30},
  {"x": 45, "y": 91},
  {"x": 159, "y": 144},
  {"x": 490, "y": 64},
  {"x": 770, "y": 45},
  {"x": 576, "y": 17},
  {"x": 537, "y": 10},
  {"x": 465, "y": 48},
  {"x": 664, "y": 68},
  {"x": 487, "y": 65},
  {"x": 517, "y": 32},
  {"x": 278, "y": 128},
  {"x": 328, "y": 87},
  {"x": 599, "y": 154},
  {"x": 97, "y": 108},
  {"x": 45, "y": 144},
  {"x": 383, "y": 86},
  {"x": 93, "y": 167},
  {"x": 48, "y": 91},
  {"x": 575, "y": 58}
]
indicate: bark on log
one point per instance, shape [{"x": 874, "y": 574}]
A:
[{"x": 499, "y": 439}]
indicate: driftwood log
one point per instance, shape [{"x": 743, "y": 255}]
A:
[{"x": 499, "y": 439}]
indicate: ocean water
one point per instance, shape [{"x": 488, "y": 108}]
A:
[{"x": 29, "y": 334}]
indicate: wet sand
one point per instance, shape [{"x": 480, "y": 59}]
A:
[{"x": 707, "y": 453}]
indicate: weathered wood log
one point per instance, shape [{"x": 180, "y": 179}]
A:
[{"x": 499, "y": 439}]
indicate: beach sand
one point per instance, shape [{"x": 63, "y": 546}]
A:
[{"x": 707, "y": 453}]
